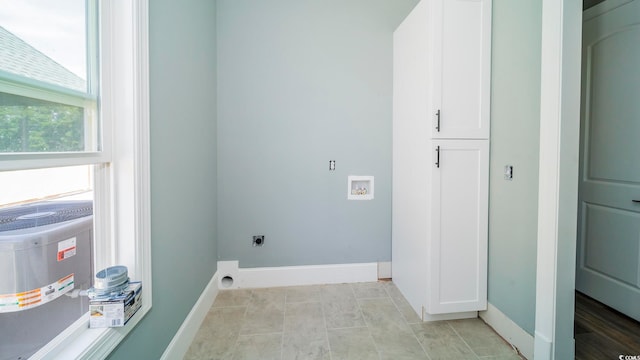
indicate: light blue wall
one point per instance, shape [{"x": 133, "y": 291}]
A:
[
  {"x": 302, "y": 82},
  {"x": 183, "y": 169},
  {"x": 515, "y": 127}
]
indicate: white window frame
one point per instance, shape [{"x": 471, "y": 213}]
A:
[{"x": 122, "y": 187}]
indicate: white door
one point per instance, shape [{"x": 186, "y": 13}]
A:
[
  {"x": 608, "y": 262},
  {"x": 459, "y": 208}
]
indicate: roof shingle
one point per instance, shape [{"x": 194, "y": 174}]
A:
[{"x": 20, "y": 58}]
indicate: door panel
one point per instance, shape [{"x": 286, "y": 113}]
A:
[
  {"x": 612, "y": 108},
  {"x": 608, "y": 259},
  {"x": 612, "y": 256},
  {"x": 461, "y": 59},
  {"x": 459, "y": 229}
]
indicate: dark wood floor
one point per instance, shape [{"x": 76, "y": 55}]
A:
[{"x": 603, "y": 333}]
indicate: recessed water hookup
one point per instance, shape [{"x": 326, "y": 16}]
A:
[{"x": 360, "y": 187}]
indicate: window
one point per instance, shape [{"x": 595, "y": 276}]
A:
[
  {"x": 58, "y": 115},
  {"x": 49, "y": 80}
]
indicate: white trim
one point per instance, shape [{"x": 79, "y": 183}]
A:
[
  {"x": 26, "y": 161},
  {"x": 230, "y": 270},
  {"x": 295, "y": 275},
  {"x": 126, "y": 36},
  {"x": 384, "y": 270},
  {"x": 80, "y": 342},
  {"x": 558, "y": 178},
  {"x": 142, "y": 148},
  {"x": 140, "y": 167},
  {"x": 449, "y": 316},
  {"x": 187, "y": 332},
  {"x": 521, "y": 340}
]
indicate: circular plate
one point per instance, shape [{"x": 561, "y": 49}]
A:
[{"x": 111, "y": 277}]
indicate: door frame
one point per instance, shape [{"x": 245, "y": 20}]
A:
[{"x": 558, "y": 178}]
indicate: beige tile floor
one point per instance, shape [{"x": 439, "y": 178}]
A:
[{"x": 336, "y": 322}]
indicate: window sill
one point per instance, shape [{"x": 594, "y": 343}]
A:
[{"x": 78, "y": 341}]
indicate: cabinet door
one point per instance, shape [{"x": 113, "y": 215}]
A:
[
  {"x": 458, "y": 246},
  {"x": 461, "y": 68}
]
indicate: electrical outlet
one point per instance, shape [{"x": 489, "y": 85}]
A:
[
  {"x": 258, "y": 240},
  {"x": 508, "y": 172}
]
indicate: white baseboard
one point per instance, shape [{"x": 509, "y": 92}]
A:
[
  {"x": 293, "y": 275},
  {"x": 384, "y": 270},
  {"x": 186, "y": 333},
  {"x": 451, "y": 316},
  {"x": 509, "y": 330}
]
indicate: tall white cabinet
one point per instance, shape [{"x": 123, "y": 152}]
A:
[{"x": 441, "y": 157}]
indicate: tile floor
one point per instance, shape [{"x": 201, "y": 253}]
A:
[{"x": 336, "y": 322}]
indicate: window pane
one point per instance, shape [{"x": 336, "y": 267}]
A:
[
  {"x": 46, "y": 252},
  {"x": 32, "y": 125},
  {"x": 45, "y": 40},
  {"x": 24, "y": 186},
  {"x": 48, "y": 76}
]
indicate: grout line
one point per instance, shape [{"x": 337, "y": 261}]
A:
[
  {"x": 375, "y": 345},
  {"x": 227, "y": 307},
  {"x": 244, "y": 320},
  {"x": 326, "y": 329},
  {"x": 463, "y": 340},
  {"x": 284, "y": 324},
  {"x": 261, "y": 334},
  {"x": 374, "y": 298},
  {"x": 347, "y": 327},
  {"x": 420, "y": 343},
  {"x": 407, "y": 323}
]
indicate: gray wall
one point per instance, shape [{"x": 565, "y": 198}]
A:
[
  {"x": 515, "y": 127},
  {"x": 300, "y": 83},
  {"x": 589, "y": 3},
  {"x": 183, "y": 169}
]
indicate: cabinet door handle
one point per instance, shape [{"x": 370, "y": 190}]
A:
[
  {"x": 636, "y": 201},
  {"x": 438, "y": 156},
  {"x": 438, "y": 120}
]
